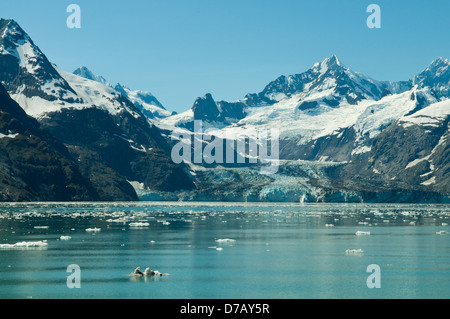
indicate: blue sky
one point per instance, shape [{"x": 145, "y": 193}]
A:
[{"x": 180, "y": 49}]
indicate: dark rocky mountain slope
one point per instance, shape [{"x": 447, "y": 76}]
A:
[{"x": 34, "y": 165}]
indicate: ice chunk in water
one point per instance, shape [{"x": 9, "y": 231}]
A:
[
  {"x": 354, "y": 251},
  {"x": 139, "y": 224},
  {"x": 25, "y": 244},
  {"x": 225, "y": 240}
]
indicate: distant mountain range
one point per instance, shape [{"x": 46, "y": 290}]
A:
[{"x": 344, "y": 137}]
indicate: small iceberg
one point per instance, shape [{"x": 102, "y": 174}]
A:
[
  {"x": 147, "y": 273},
  {"x": 137, "y": 272},
  {"x": 65, "y": 238},
  {"x": 41, "y": 227},
  {"x": 25, "y": 245},
  {"x": 225, "y": 240},
  {"x": 413, "y": 223},
  {"x": 93, "y": 230},
  {"x": 441, "y": 232},
  {"x": 362, "y": 233},
  {"x": 139, "y": 224},
  {"x": 354, "y": 252},
  {"x": 116, "y": 220},
  {"x": 329, "y": 225}
]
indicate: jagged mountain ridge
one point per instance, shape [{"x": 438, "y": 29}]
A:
[
  {"x": 329, "y": 75},
  {"x": 145, "y": 101},
  {"x": 348, "y": 114},
  {"x": 84, "y": 72},
  {"x": 25, "y": 70},
  {"x": 327, "y": 84},
  {"x": 437, "y": 77},
  {"x": 321, "y": 102},
  {"x": 344, "y": 136},
  {"x": 106, "y": 134},
  {"x": 330, "y": 114}
]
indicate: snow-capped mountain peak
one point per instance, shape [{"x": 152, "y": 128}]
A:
[
  {"x": 329, "y": 63},
  {"x": 11, "y": 33},
  {"x": 88, "y": 74},
  {"x": 147, "y": 103},
  {"x": 145, "y": 96},
  {"x": 437, "y": 77},
  {"x": 439, "y": 63},
  {"x": 17, "y": 46},
  {"x": 328, "y": 82},
  {"x": 25, "y": 70},
  {"x": 41, "y": 88}
]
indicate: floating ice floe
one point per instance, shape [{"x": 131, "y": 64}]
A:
[
  {"x": 116, "y": 220},
  {"x": 441, "y": 232},
  {"x": 93, "y": 230},
  {"x": 25, "y": 244},
  {"x": 225, "y": 240},
  {"x": 41, "y": 227},
  {"x": 362, "y": 233},
  {"x": 139, "y": 224},
  {"x": 65, "y": 238},
  {"x": 148, "y": 272},
  {"x": 354, "y": 251},
  {"x": 329, "y": 225},
  {"x": 215, "y": 247}
]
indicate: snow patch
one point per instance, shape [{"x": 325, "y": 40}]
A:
[
  {"x": 12, "y": 136},
  {"x": 432, "y": 180}
]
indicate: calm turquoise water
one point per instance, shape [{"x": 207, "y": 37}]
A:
[{"x": 277, "y": 251}]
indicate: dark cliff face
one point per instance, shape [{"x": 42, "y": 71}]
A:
[
  {"x": 411, "y": 161},
  {"x": 34, "y": 165},
  {"x": 205, "y": 109},
  {"x": 111, "y": 151}
]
